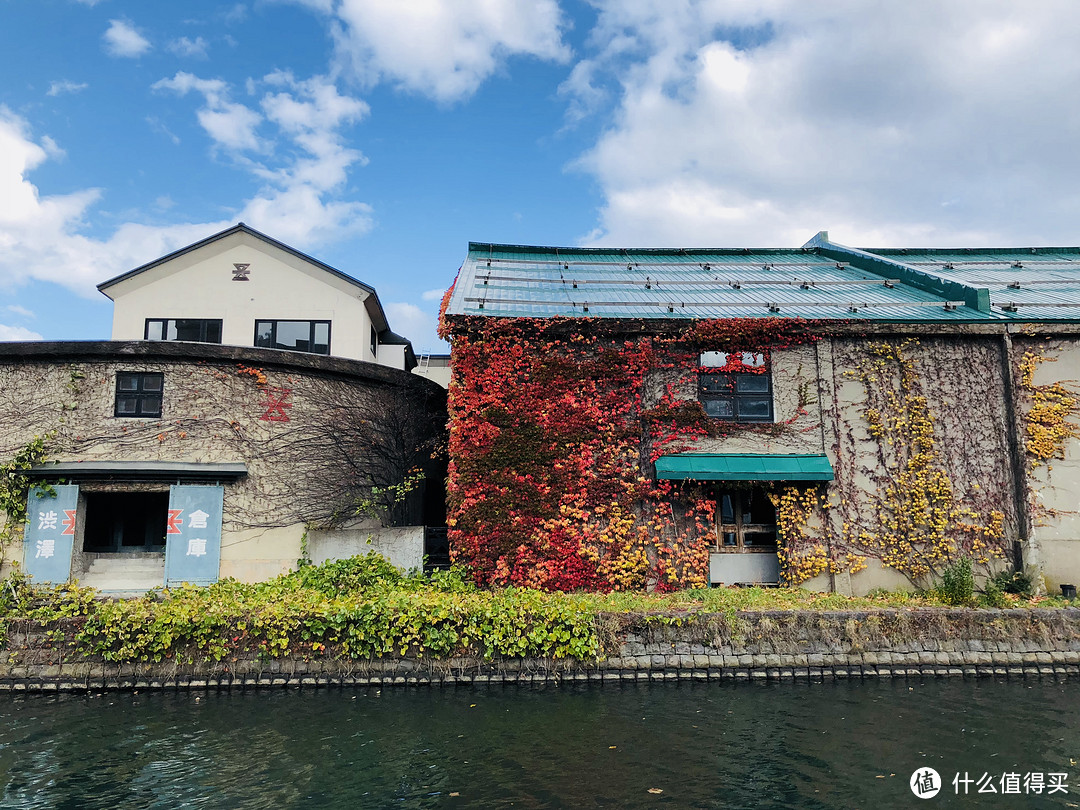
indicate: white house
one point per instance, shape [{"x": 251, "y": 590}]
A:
[{"x": 243, "y": 288}]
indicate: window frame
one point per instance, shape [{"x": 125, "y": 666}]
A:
[
  {"x": 203, "y": 324},
  {"x": 734, "y": 396},
  {"x": 740, "y": 528},
  {"x": 311, "y": 334},
  {"x": 140, "y": 394}
]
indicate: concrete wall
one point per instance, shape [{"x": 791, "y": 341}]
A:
[
  {"x": 1053, "y": 485},
  {"x": 403, "y": 546},
  {"x": 280, "y": 286}
]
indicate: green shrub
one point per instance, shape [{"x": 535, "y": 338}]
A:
[
  {"x": 1021, "y": 583},
  {"x": 350, "y": 575},
  {"x": 957, "y": 583}
]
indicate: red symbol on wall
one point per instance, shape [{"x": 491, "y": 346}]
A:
[
  {"x": 276, "y": 402},
  {"x": 69, "y": 522},
  {"x": 174, "y": 521}
]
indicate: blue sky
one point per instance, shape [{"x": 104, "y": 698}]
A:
[{"x": 382, "y": 135}]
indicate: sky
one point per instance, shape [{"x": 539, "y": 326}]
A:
[{"x": 381, "y": 136}]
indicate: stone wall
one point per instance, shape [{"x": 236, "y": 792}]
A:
[{"x": 752, "y": 646}]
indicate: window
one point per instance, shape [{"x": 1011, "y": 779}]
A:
[
  {"x": 195, "y": 330},
  {"x": 745, "y": 521},
  {"x": 374, "y": 342},
  {"x": 736, "y": 397},
  {"x": 138, "y": 394},
  {"x": 295, "y": 336}
]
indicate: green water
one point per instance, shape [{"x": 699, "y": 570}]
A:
[{"x": 703, "y": 745}]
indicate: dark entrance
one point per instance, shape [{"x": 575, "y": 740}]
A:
[{"x": 125, "y": 521}]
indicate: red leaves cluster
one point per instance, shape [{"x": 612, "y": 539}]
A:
[{"x": 551, "y": 482}]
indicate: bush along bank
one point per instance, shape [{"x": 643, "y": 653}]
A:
[{"x": 360, "y": 620}]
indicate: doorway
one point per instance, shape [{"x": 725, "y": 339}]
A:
[{"x": 128, "y": 522}]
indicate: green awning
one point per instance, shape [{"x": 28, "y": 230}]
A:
[{"x": 716, "y": 467}]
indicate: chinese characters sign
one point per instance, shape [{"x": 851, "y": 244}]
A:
[
  {"x": 50, "y": 533},
  {"x": 193, "y": 535}
]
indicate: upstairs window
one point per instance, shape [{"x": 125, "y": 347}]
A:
[
  {"x": 745, "y": 521},
  {"x": 195, "y": 330},
  {"x": 138, "y": 394},
  {"x": 294, "y": 336},
  {"x": 374, "y": 342},
  {"x": 736, "y": 386}
]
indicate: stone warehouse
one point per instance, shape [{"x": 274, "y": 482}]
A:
[
  {"x": 169, "y": 456},
  {"x": 844, "y": 419}
]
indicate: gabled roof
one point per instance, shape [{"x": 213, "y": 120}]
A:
[
  {"x": 239, "y": 227},
  {"x": 821, "y": 280}
]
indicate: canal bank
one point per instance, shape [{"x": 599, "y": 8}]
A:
[{"x": 791, "y": 645}]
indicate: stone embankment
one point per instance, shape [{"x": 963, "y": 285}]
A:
[{"x": 784, "y": 646}]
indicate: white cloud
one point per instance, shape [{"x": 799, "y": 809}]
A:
[
  {"x": 228, "y": 123},
  {"x": 433, "y": 295},
  {"x": 765, "y": 121},
  {"x": 18, "y": 310},
  {"x": 415, "y": 324},
  {"x": 123, "y": 39},
  {"x": 297, "y": 201},
  {"x": 440, "y": 48},
  {"x": 41, "y": 237},
  {"x": 192, "y": 48},
  {"x": 17, "y": 333},
  {"x": 62, "y": 87}
]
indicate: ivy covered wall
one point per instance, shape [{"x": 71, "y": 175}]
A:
[{"x": 555, "y": 426}]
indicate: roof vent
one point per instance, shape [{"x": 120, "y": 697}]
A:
[
  {"x": 707, "y": 267},
  {"x": 648, "y": 283},
  {"x": 948, "y": 266},
  {"x": 1018, "y": 264},
  {"x": 1014, "y": 285},
  {"x": 736, "y": 285},
  {"x": 853, "y": 308},
  {"x": 841, "y": 265},
  {"x": 585, "y": 307},
  {"x": 774, "y": 307},
  {"x": 805, "y": 285},
  {"x": 1009, "y": 307},
  {"x": 950, "y": 306},
  {"x": 240, "y": 272}
]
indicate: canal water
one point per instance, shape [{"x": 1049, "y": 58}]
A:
[{"x": 685, "y": 745}]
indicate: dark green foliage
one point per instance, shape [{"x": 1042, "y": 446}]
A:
[
  {"x": 1021, "y": 583},
  {"x": 958, "y": 582}
]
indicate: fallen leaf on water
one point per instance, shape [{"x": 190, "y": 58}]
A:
[
  {"x": 611, "y": 747},
  {"x": 880, "y": 776},
  {"x": 655, "y": 790},
  {"x": 455, "y": 793}
]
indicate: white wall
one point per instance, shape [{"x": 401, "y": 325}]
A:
[{"x": 281, "y": 286}]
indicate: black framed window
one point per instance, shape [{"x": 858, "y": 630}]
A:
[
  {"x": 294, "y": 336},
  {"x": 138, "y": 394},
  {"x": 737, "y": 397},
  {"x": 374, "y": 342},
  {"x": 745, "y": 521},
  {"x": 195, "y": 330}
]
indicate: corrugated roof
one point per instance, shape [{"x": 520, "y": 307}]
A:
[
  {"x": 1034, "y": 283},
  {"x": 822, "y": 280},
  {"x": 526, "y": 281}
]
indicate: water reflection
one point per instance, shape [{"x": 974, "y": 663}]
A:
[{"x": 703, "y": 745}]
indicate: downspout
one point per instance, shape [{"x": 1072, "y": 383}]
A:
[{"x": 1016, "y": 452}]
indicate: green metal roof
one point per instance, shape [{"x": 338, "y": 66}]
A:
[
  {"x": 821, "y": 280},
  {"x": 716, "y": 467}
]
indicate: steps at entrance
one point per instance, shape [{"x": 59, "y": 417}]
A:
[{"x": 127, "y": 573}]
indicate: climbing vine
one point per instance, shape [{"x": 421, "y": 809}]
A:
[
  {"x": 555, "y": 427},
  {"x": 15, "y": 485},
  {"x": 1050, "y": 420},
  {"x": 917, "y": 524}
]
